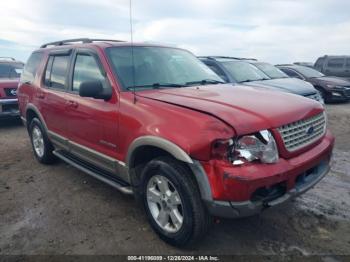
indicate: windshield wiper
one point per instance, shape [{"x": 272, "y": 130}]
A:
[
  {"x": 155, "y": 85},
  {"x": 205, "y": 82},
  {"x": 248, "y": 80}
]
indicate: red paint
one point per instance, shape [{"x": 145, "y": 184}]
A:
[{"x": 7, "y": 83}]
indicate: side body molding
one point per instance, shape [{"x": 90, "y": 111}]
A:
[{"x": 159, "y": 142}]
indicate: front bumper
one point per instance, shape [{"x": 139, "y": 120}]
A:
[
  {"x": 297, "y": 175},
  {"x": 9, "y": 108}
]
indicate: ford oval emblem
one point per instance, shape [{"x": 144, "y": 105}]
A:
[
  {"x": 13, "y": 92},
  {"x": 310, "y": 130}
]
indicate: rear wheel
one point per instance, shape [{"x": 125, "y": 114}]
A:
[
  {"x": 173, "y": 203},
  {"x": 42, "y": 147}
]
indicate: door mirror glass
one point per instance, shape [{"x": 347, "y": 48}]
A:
[{"x": 94, "y": 89}]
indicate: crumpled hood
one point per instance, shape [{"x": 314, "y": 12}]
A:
[
  {"x": 291, "y": 85},
  {"x": 331, "y": 80},
  {"x": 247, "y": 109}
]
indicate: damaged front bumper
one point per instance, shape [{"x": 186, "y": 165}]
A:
[
  {"x": 231, "y": 209},
  {"x": 270, "y": 185}
]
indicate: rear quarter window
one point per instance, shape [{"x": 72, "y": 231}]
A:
[
  {"x": 319, "y": 62},
  {"x": 31, "y": 67}
]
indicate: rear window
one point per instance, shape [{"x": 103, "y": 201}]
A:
[
  {"x": 56, "y": 71},
  {"x": 31, "y": 67},
  {"x": 336, "y": 62}
]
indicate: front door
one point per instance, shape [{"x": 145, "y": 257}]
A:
[{"x": 92, "y": 123}]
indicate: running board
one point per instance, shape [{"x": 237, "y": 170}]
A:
[{"x": 91, "y": 170}]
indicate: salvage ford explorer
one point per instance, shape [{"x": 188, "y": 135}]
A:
[{"x": 155, "y": 122}]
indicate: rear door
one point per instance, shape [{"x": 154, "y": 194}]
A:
[
  {"x": 53, "y": 95},
  {"x": 92, "y": 123}
]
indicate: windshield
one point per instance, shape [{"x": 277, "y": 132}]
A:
[
  {"x": 244, "y": 72},
  {"x": 271, "y": 71},
  {"x": 10, "y": 70},
  {"x": 157, "y": 67},
  {"x": 308, "y": 72}
]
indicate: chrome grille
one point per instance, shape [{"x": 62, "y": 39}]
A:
[
  {"x": 301, "y": 133},
  {"x": 315, "y": 96}
]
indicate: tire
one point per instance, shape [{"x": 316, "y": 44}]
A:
[
  {"x": 324, "y": 95},
  {"x": 165, "y": 174},
  {"x": 41, "y": 144}
]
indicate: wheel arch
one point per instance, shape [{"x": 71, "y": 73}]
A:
[
  {"x": 151, "y": 146},
  {"x": 31, "y": 112}
]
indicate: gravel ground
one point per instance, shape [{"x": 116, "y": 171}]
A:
[{"x": 60, "y": 210}]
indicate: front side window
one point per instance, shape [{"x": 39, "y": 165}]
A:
[
  {"x": 336, "y": 62},
  {"x": 31, "y": 67},
  {"x": 218, "y": 71},
  {"x": 86, "y": 69},
  {"x": 149, "y": 67},
  {"x": 244, "y": 72},
  {"x": 56, "y": 72},
  {"x": 270, "y": 70}
]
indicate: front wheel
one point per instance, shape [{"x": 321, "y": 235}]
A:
[{"x": 173, "y": 203}]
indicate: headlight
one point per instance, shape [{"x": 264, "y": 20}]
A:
[
  {"x": 335, "y": 87},
  {"x": 260, "y": 146}
]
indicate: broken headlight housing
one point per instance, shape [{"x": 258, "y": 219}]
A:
[{"x": 259, "y": 146}]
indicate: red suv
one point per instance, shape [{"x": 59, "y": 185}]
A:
[
  {"x": 155, "y": 122},
  {"x": 10, "y": 71}
]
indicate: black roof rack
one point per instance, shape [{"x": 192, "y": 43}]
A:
[
  {"x": 76, "y": 40},
  {"x": 7, "y": 58},
  {"x": 227, "y": 57},
  {"x": 285, "y": 65}
]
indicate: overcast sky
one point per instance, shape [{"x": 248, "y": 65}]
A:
[{"x": 277, "y": 31}]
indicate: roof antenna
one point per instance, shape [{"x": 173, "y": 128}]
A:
[{"x": 132, "y": 53}]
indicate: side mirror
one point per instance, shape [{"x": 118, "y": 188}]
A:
[{"x": 94, "y": 89}]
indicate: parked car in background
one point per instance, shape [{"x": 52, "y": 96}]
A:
[
  {"x": 10, "y": 68},
  {"x": 308, "y": 64},
  {"x": 254, "y": 73},
  {"x": 331, "y": 88},
  {"x": 334, "y": 65},
  {"x": 10, "y": 71},
  {"x": 155, "y": 122}
]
